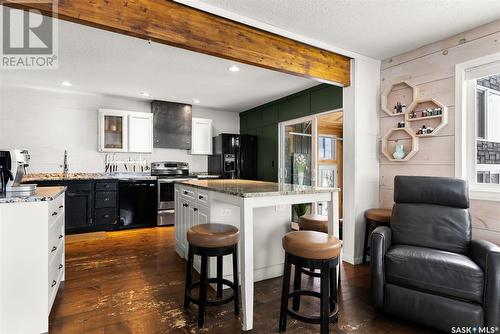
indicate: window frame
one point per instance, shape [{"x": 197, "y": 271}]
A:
[
  {"x": 466, "y": 75},
  {"x": 334, "y": 147}
]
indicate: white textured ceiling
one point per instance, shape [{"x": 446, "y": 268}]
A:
[
  {"x": 374, "y": 28},
  {"x": 104, "y": 62}
]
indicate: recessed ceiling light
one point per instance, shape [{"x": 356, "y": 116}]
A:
[
  {"x": 66, "y": 83},
  {"x": 234, "y": 68},
  {"x": 196, "y": 101},
  {"x": 145, "y": 94}
]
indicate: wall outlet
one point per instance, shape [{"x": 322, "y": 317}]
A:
[
  {"x": 225, "y": 212},
  {"x": 281, "y": 207}
]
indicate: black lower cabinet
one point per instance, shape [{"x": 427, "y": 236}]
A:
[
  {"x": 90, "y": 205},
  {"x": 78, "y": 211}
]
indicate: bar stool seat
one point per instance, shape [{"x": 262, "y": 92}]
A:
[
  {"x": 211, "y": 240},
  {"x": 312, "y": 222},
  {"x": 374, "y": 218},
  {"x": 379, "y": 215},
  {"x": 213, "y": 235},
  {"x": 311, "y": 245},
  {"x": 315, "y": 250}
]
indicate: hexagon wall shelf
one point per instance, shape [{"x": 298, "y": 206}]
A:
[
  {"x": 403, "y": 92},
  {"x": 437, "y": 122},
  {"x": 401, "y": 134}
]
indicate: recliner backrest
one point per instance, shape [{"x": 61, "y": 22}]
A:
[{"x": 431, "y": 212}]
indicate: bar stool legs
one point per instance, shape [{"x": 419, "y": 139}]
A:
[
  {"x": 202, "y": 301},
  {"x": 327, "y": 295}
]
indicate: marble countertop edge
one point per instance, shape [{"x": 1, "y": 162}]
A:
[
  {"x": 42, "y": 194},
  {"x": 251, "y": 189}
]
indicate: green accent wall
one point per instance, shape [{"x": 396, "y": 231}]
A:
[{"x": 262, "y": 121}]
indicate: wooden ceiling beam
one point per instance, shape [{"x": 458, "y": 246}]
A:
[{"x": 181, "y": 26}]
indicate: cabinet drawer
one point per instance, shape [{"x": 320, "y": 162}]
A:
[
  {"x": 202, "y": 197},
  {"x": 189, "y": 193},
  {"x": 56, "y": 209},
  {"x": 105, "y": 216},
  {"x": 56, "y": 205},
  {"x": 105, "y": 199},
  {"x": 55, "y": 248},
  {"x": 79, "y": 186},
  {"x": 106, "y": 186},
  {"x": 55, "y": 274},
  {"x": 56, "y": 232}
]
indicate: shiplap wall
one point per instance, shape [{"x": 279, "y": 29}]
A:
[{"x": 432, "y": 69}]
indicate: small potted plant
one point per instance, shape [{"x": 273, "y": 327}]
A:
[{"x": 301, "y": 163}]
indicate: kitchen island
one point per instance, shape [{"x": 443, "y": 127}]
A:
[{"x": 261, "y": 211}]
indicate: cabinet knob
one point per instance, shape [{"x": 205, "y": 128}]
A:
[
  {"x": 106, "y": 216},
  {"x": 61, "y": 206},
  {"x": 53, "y": 283},
  {"x": 60, "y": 266},
  {"x": 54, "y": 248},
  {"x": 200, "y": 197},
  {"x": 185, "y": 205},
  {"x": 106, "y": 199},
  {"x": 186, "y": 192},
  {"x": 54, "y": 213},
  {"x": 195, "y": 209},
  {"x": 60, "y": 236}
]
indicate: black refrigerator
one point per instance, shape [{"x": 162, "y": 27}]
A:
[{"x": 234, "y": 156}]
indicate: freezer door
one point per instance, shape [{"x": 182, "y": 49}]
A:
[{"x": 247, "y": 157}]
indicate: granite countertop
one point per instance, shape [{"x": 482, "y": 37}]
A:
[
  {"x": 86, "y": 176},
  {"x": 247, "y": 188},
  {"x": 42, "y": 194}
]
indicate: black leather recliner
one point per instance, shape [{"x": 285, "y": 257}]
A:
[{"x": 425, "y": 267}]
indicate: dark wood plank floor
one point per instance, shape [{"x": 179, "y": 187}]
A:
[{"x": 132, "y": 282}]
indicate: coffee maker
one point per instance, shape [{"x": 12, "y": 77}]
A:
[{"x": 16, "y": 162}]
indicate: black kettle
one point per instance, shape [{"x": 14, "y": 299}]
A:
[{"x": 5, "y": 176}]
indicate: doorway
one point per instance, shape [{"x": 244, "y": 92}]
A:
[{"x": 311, "y": 154}]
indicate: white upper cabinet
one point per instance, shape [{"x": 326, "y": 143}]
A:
[
  {"x": 140, "y": 134},
  {"x": 113, "y": 130},
  {"x": 201, "y": 141},
  {"x": 125, "y": 131}
]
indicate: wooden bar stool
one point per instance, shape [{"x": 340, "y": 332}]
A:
[
  {"x": 374, "y": 218},
  {"x": 207, "y": 240},
  {"x": 315, "y": 250}
]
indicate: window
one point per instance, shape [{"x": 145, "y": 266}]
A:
[
  {"x": 488, "y": 130},
  {"x": 477, "y": 125},
  {"x": 326, "y": 146}
]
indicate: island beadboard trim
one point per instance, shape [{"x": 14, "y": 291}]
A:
[{"x": 185, "y": 27}]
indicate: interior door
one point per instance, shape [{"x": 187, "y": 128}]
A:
[{"x": 297, "y": 156}]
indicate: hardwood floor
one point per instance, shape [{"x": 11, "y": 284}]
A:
[{"x": 132, "y": 282}]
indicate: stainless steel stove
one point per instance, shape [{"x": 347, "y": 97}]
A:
[{"x": 168, "y": 172}]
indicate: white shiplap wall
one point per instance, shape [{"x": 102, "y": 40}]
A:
[
  {"x": 46, "y": 122},
  {"x": 432, "y": 69}
]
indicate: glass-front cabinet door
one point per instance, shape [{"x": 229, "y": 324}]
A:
[
  {"x": 296, "y": 152},
  {"x": 113, "y": 130}
]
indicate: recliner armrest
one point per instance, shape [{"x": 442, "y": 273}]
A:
[
  {"x": 479, "y": 250},
  {"x": 380, "y": 242},
  {"x": 487, "y": 256}
]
